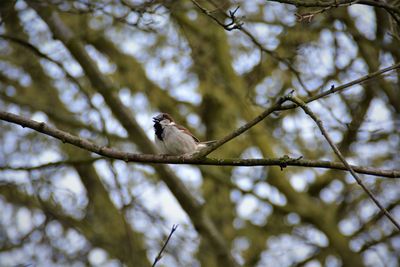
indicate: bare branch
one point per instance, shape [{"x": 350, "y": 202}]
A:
[
  {"x": 308, "y": 17},
  {"x": 37, "y": 52},
  {"x": 238, "y": 24},
  {"x": 51, "y": 164},
  {"x": 151, "y": 158},
  {"x": 308, "y": 111},
  {"x": 279, "y": 106},
  {"x": 334, "y": 89},
  {"x": 241, "y": 130},
  {"x": 318, "y": 3},
  {"x": 384, "y": 238},
  {"x": 392, "y": 10},
  {"x": 234, "y": 24},
  {"x": 159, "y": 256}
]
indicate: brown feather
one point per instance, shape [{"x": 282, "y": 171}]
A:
[
  {"x": 183, "y": 129},
  {"x": 168, "y": 117}
]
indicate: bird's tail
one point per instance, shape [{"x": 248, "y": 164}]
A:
[{"x": 207, "y": 143}]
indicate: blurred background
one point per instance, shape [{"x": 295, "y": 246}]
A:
[{"x": 102, "y": 69}]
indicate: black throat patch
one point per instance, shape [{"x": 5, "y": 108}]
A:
[{"x": 158, "y": 130}]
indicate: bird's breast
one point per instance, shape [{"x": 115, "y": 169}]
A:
[{"x": 178, "y": 142}]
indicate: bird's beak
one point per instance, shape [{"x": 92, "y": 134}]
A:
[{"x": 155, "y": 119}]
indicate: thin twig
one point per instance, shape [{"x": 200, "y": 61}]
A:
[
  {"x": 317, "y": 3},
  {"x": 334, "y": 89},
  {"x": 310, "y": 15},
  {"x": 308, "y": 111},
  {"x": 237, "y": 24},
  {"x": 37, "y": 52},
  {"x": 54, "y": 164},
  {"x": 159, "y": 256},
  {"x": 234, "y": 24},
  {"x": 242, "y": 129}
]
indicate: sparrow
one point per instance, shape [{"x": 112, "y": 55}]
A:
[{"x": 173, "y": 139}]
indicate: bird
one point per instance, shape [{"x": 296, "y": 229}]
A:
[{"x": 174, "y": 139}]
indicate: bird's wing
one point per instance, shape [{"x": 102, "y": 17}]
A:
[{"x": 183, "y": 129}]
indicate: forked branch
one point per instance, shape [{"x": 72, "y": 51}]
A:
[{"x": 321, "y": 127}]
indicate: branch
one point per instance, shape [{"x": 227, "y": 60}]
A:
[
  {"x": 367, "y": 245},
  {"x": 50, "y": 164},
  {"x": 12, "y": 194},
  {"x": 74, "y": 80},
  {"x": 234, "y": 24},
  {"x": 242, "y": 129},
  {"x": 318, "y": 3},
  {"x": 366, "y": 226},
  {"x": 151, "y": 158},
  {"x": 159, "y": 256},
  {"x": 308, "y": 111},
  {"x": 279, "y": 106},
  {"x": 238, "y": 24},
  {"x": 334, "y": 89},
  {"x": 310, "y": 15}
]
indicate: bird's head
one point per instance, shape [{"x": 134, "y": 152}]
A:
[{"x": 163, "y": 119}]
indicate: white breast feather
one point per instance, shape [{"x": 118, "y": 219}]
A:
[
  {"x": 177, "y": 142},
  {"x": 160, "y": 145}
]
